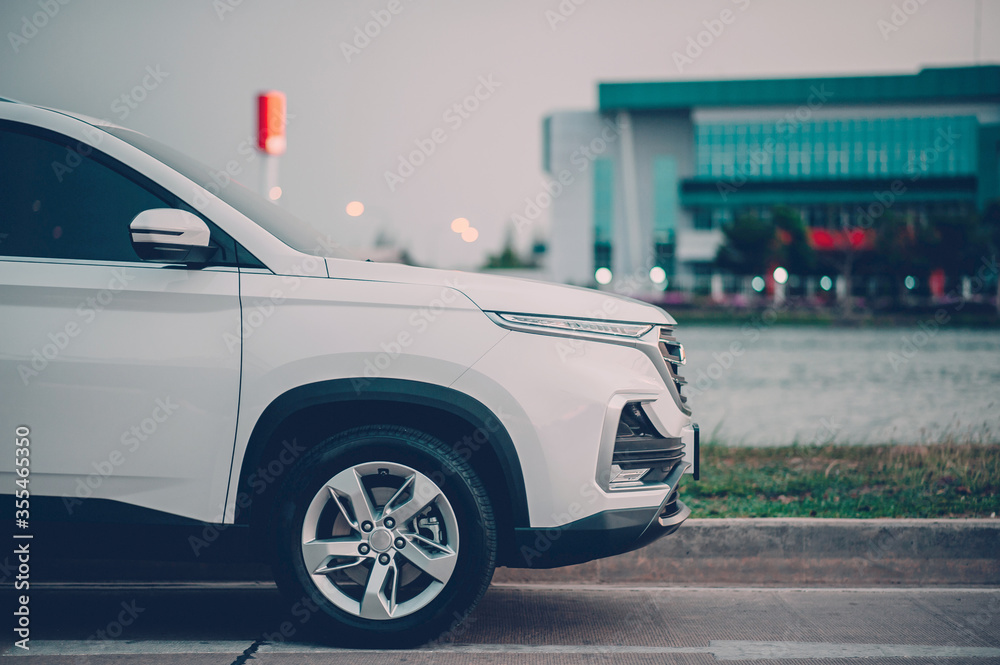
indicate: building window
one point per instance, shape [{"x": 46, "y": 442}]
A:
[
  {"x": 604, "y": 185},
  {"x": 707, "y": 219},
  {"x": 850, "y": 147},
  {"x": 602, "y": 255},
  {"x": 665, "y": 257},
  {"x": 703, "y": 219},
  {"x": 665, "y": 200}
]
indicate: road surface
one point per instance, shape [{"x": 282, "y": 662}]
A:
[{"x": 223, "y": 623}]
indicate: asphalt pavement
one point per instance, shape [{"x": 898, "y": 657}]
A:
[{"x": 223, "y": 623}]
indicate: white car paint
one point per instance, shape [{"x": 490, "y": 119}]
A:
[{"x": 216, "y": 338}]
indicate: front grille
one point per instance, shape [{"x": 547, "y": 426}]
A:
[
  {"x": 640, "y": 449},
  {"x": 645, "y": 452},
  {"x": 673, "y": 354}
]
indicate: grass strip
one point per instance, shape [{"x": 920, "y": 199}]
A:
[{"x": 939, "y": 480}]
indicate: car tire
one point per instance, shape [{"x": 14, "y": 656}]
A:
[{"x": 388, "y": 533}]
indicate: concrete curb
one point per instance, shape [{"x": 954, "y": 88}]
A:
[
  {"x": 704, "y": 552},
  {"x": 799, "y": 552}
]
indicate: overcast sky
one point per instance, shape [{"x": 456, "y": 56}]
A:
[{"x": 355, "y": 110}]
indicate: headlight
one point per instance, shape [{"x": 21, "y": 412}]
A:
[{"x": 532, "y": 323}]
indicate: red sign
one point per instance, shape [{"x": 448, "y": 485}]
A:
[
  {"x": 857, "y": 239},
  {"x": 271, "y": 122},
  {"x": 937, "y": 283}
]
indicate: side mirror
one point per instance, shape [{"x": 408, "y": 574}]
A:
[{"x": 168, "y": 235}]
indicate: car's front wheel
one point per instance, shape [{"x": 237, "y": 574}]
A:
[{"x": 388, "y": 531}]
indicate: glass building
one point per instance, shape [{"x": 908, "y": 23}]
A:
[{"x": 660, "y": 167}]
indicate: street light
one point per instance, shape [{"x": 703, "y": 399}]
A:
[{"x": 780, "y": 275}]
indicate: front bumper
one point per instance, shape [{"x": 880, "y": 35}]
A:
[{"x": 603, "y": 534}]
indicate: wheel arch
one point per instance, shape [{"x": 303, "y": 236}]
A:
[{"x": 311, "y": 413}]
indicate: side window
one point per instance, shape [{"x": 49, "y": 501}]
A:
[
  {"x": 57, "y": 203},
  {"x": 65, "y": 200}
]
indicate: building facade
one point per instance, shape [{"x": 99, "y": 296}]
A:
[{"x": 654, "y": 174}]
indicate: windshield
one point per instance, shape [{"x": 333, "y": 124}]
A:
[{"x": 284, "y": 226}]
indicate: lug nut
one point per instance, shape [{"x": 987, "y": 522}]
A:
[
  {"x": 389, "y": 522},
  {"x": 367, "y": 526},
  {"x": 363, "y": 548},
  {"x": 400, "y": 543},
  {"x": 383, "y": 559}
]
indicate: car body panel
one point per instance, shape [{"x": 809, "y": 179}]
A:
[
  {"x": 226, "y": 343},
  {"x": 122, "y": 374}
]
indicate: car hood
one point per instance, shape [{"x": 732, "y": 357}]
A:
[{"x": 496, "y": 293}]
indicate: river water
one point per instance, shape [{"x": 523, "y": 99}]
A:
[{"x": 775, "y": 385}]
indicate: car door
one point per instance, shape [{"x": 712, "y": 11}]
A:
[{"x": 126, "y": 373}]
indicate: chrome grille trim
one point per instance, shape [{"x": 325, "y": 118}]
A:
[{"x": 673, "y": 354}]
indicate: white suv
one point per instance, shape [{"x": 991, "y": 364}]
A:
[{"x": 196, "y": 374}]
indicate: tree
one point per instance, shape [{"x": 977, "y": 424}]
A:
[
  {"x": 754, "y": 246},
  {"x": 508, "y": 256},
  {"x": 953, "y": 243},
  {"x": 902, "y": 248},
  {"x": 989, "y": 238},
  {"x": 750, "y": 246},
  {"x": 796, "y": 254}
]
